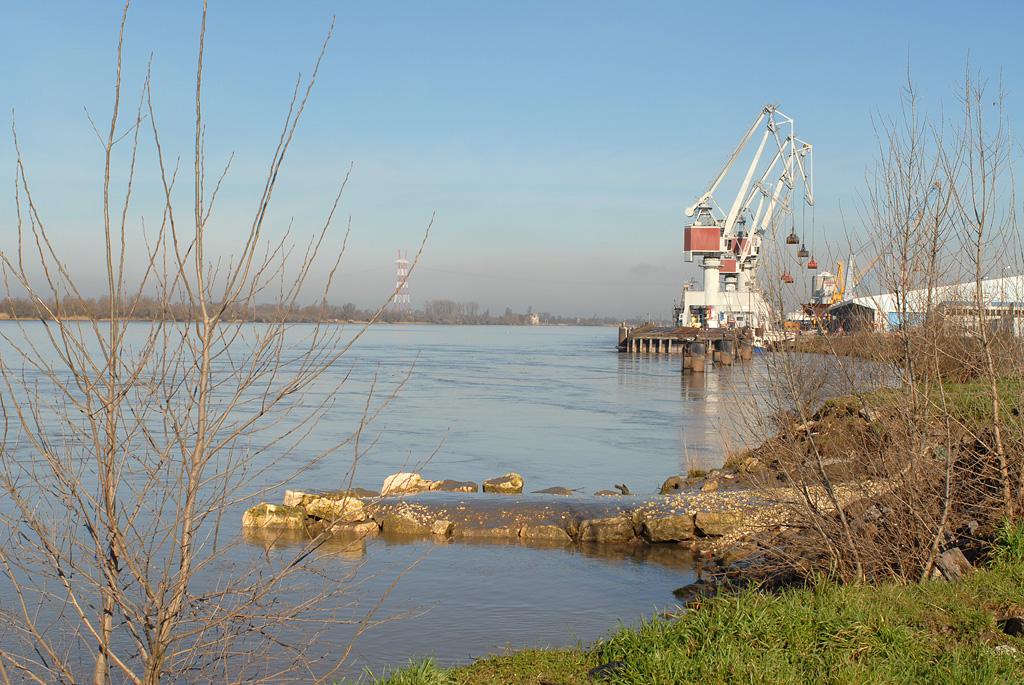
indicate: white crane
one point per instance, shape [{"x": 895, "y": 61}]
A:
[{"x": 729, "y": 243}]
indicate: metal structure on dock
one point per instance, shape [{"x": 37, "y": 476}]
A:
[
  {"x": 729, "y": 243},
  {"x": 729, "y": 317}
]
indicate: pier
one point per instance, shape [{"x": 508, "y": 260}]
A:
[{"x": 696, "y": 346}]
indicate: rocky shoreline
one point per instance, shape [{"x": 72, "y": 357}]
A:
[{"x": 707, "y": 513}]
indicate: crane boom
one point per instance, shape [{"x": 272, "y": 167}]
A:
[{"x": 732, "y": 158}]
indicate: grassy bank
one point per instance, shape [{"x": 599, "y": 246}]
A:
[{"x": 934, "y": 632}]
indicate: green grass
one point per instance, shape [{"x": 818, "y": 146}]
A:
[
  {"x": 969, "y": 400},
  {"x": 931, "y": 633}
]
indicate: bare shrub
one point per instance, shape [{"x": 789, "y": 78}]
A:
[
  {"x": 131, "y": 448},
  {"x": 927, "y": 455}
]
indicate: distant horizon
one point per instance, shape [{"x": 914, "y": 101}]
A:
[{"x": 151, "y": 309}]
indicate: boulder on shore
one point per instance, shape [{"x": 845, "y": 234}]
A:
[
  {"x": 544, "y": 532},
  {"x": 405, "y": 484},
  {"x": 331, "y": 506},
  {"x": 717, "y": 523},
  {"x": 614, "y": 529},
  {"x": 675, "y": 528},
  {"x": 442, "y": 528},
  {"x": 509, "y": 484},
  {"x": 276, "y": 515},
  {"x": 672, "y": 484}
]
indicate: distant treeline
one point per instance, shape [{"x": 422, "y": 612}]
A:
[{"x": 155, "y": 309}]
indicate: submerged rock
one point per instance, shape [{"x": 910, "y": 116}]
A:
[
  {"x": 360, "y": 529},
  {"x": 448, "y": 485},
  {"x": 553, "y": 491},
  {"x": 488, "y": 532},
  {"x": 693, "y": 593},
  {"x": 396, "y": 523}
]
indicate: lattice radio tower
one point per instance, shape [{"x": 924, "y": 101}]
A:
[{"x": 401, "y": 303}]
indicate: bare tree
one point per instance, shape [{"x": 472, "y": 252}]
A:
[
  {"x": 130, "y": 449},
  {"x": 896, "y": 469}
]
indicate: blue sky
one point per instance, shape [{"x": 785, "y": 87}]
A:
[{"x": 558, "y": 143}]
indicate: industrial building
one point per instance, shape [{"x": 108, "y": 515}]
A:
[{"x": 1002, "y": 299}]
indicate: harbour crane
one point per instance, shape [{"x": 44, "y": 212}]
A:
[{"x": 729, "y": 243}]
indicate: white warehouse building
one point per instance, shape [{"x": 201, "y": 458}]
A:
[{"x": 1003, "y": 299}]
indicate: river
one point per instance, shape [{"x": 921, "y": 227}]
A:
[{"x": 559, "y": 406}]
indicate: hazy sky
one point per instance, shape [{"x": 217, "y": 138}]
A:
[{"x": 557, "y": 142}]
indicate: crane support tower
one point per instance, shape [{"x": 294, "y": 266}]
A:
[{"x": 729, "y": 243}]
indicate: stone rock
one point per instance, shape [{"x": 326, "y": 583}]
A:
[
  {"x": 614, "y": 529},
  {"x": 670, "y": 528},
  {"x": 396, "y": 523},
  {"x": 734, "y": 555},
  {"x": 493, "y": 533},
  {"x": 694, "y": 593},
  {"x": 1011, "y": 625},
  {"x": 404, "y": 483},
  {"x": 607, "y": 671},
  {"x": 360, "y": 529},
  {"x": 275, "y": 515},
  {"x": 544, "y": 532},
  {"x": 293, "y": 498},
  {"x": 715, "y": 523},
  {"x": 448, "y": 485},
  {"x": 868, "y": 414},
  {"x": 362, "y": 493},
  {"x": 509, "y": 484},
  {"x": 672, "y": 484},
  {"x": 553, "y": 491},
  {"x": 338, "y": 506},
  {"x": 442, "y": 527},
  {"x": 953, "y": 564},
  {"x": 607, "y": 493},
  {"x": 710, "y": 485},
  {"x": 751, "y": 465}
]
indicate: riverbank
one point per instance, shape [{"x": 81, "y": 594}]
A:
[
  {"x": 858, "y": 481},
  {"x": 936, "y": 632}
]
